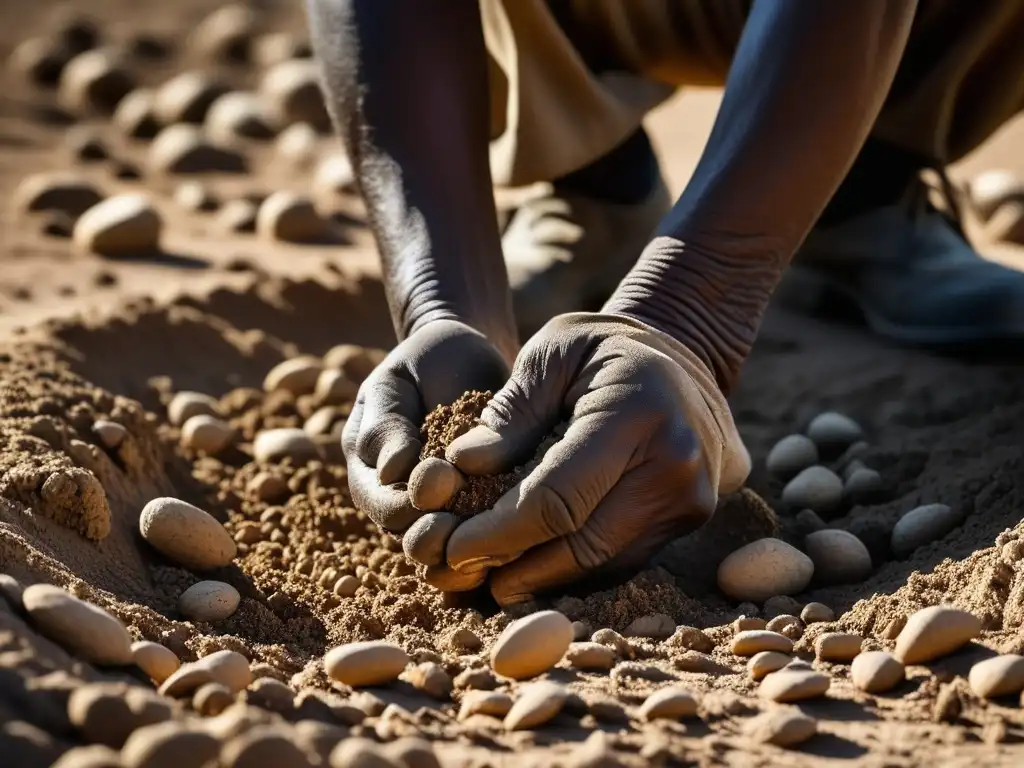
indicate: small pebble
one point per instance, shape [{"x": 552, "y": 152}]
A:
[
  {"x": 275, "y": 47},
  {"x": 837, "y": 646},
  {"x": 671, "y": 703},
  {"x": 590, "y": 656},
  {"x": 766, "y": 662},
  {"x": 211, "y": 699},
  {"x": 135, "y": 115},
  {"x": 808, "y": 521},
  {"x": 186, "y": 98},
  {"x": 656, "y": 626},
  {"x": 876, "y": 672},
  {"x": 238, "y": 115},
  {"x": 764, "y": 568},
  {"x": 816, "y": 488},
  {"x": 92, "y": 756},
  {"x": 237, "y": 216},
  {"x": 209, "y": 601},
  {"x": 998, "y": 676},
  {"x": 430, "y": 678},
  {"x": 791, "y": 455},
  {"x": 754, "y": 641},
  {"x": 271, "y": 694},
  {"x": 989, "y": 190},
  {"x": 94, "y": 82},
  {"x": 691, "y": 639},
  {"x": 777, "y": 605},
  {"x": 284, "y": 442},
  {"x": 433, "y": 483},
  {"x": 923, "y": 525},
  {"x": 833, "y": 432},
  {"x": 110, "y": 433},
  {"x": 297, "y": 145},
  {"x": 335, "y": 388},
  {"x": 120, "y": 226},
  {"x": 186, "y": 535},
  {"x": 60, "y": 192},
  {"x": 359, "y": 752},
  {"x": 207, "y": 434},
  {"x": 184, "y": 405},
  {"x": 424, "y": 541},
  {"x": 183, "y": 149},
  {"x": 12, "y": 591},
  {"x": 536, "y": 704},
  {"x": 333, "y": 177},
  {"x": 478, "y": 678},
  {"x": 464, "y": 640},
  {"x": 782, "y": 621},
  {"x": 354, "y": 361},
  {"x": 169, "y": 744},
  {"x": 40, "y": 60},
  {"x": 782, "y": 727},
  {"x": 268, "y": 487},
  {"x": 194, "y": 196},
  {"x": 229, "y": 668},
  {"x": 346, "y": 586},
  {"x": 792, "y": 684},
  {"x": 79, "y": 627},
  {"x": 862, "y": 485},
  {"x": 412, "y": 752},
  {"x": 226, "y": 36},
  {"x": 155, "y": 660},
  {"x": 531, "y": 645},
  {"x": 748, "y": 623},
  {"x": 839, "y": 557},
  {"x": 288, "y": 217},
  {"x": 935, "y": 631},
  {"x": 365, "y": 664},
  {"x": 292, "y": 93},
  {"x": 814, "y": 613}
]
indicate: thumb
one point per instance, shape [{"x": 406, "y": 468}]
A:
[{"x": 516, "y": 419}]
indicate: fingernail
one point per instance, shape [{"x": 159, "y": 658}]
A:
[
  {"x": 477, "y": 564},
  {"x": 396, "y": 462},
  {"x": 477, "y": 451}
]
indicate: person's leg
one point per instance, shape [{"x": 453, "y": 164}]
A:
[{"x": 881, "y": 243}]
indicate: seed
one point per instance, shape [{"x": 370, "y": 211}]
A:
[
  {"x": 935, "y": 631},
  {"x": 229, "y": 668},
  {"x": 366, "y": 664},
  {"x": 764, "y": 568},
  {"x": 80, "y": 627},
  {"x": 537, "y": 704},
  {"x": 876, "y": 672},
  {"x": 186, "y": 534},
  {"x": 748, "y": 623},
  {"x": 670, "y": 703},
  {"x": 531, "y": 645},
  {"x": 838, "y": 646}
]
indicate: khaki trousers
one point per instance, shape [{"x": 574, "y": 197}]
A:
[{"x": 553, "y": 111}]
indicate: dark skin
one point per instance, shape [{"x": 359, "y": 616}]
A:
[{"x": 644, "y": 380}]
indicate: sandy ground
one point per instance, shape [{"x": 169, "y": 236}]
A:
[{"x": 87, "y": 337}]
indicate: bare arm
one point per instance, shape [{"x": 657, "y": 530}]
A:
[
  {"x": 805, "y": 87},
  {"x": 407, "y": 88}
]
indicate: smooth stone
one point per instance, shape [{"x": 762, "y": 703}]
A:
[
  {"x": 493, "y": 703},
  {"x": 207, "y": 434},
  {"x": 333, "y": 177},
  {"x": 766, "y": 662},
  {"x": 657, "y": 626},
  {"x": 209, "y": 601},
  {"x": 424, "y": 541},
  {"x": 817, "y": 488},
  {"x": 782, "y": 727},
  {"x": 763, "y": 569},
  {"x": 237, "y": 216},
  {"x": 754, "y": 641},
  {"x": 284, "y": 442},
  {"x": 291, "y": 218},
  {"x": 12, "y": 591},
  {"x": 291, "y": 91},
  {"x": 297, "y": 375},
  {"x": 110, "y": 433},
  {"x": 777, "y": 605},
  {"x": 590, "y": 656},
  {"x": 433, "y": 483},
  {"x": 238, "y": 115},
  {"x": 186, "y": 98},
  {"x": 998, "y": 676},
  {"x": 135, "y": 115},
  {"x": 297, "y": 145},
  {"x": 671, "y": 703},
  {"x": 183, "y": 148},
  {"x": 531, "y": 645},
  {"x": 169, "y": 744},
  {"x": 613, "y": 639},
  {"x": 157, "y": 661},
  {"x": 79, "y": 627},
  {"x": 369, "y": 663},
  {"x": 793, "y": 684},
  {"x": 229, "y": 668},
  {"x": 839, "y": 557},
  {"x": 63, "y": 192},
  {"x": 120, "y": 226},
  {"x": 226, "y": 36},
  {"x": 876, "y": 672},
  {"x": 356, "y": 362},
  {"x": 186, "y": 534},
  {"x": 211, "y": 699},
  {"x": 808, "y": 521},
  {"x": 536, "y": 704},
  {"x": 935, "y": 631},
  {"x": 184, "y": 405},
  {"x": 194, "y": 196},
  {"x": 838, "y": 646},
  {"x": 832, "y": 432},
  {"x": 748, "y": 623},
  {"x": 814, "y": 613},
  {"x": 791, "y": 455},
  {"x": 862, "y": 484},
  {"x": 333, "y": 387},
  {"x": 923, "y": 525},
  {"x": 692, "y": 639},
  {"x": 94, "y": 82}
]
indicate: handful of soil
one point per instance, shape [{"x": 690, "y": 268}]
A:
[{"x": 475, "y": 493}]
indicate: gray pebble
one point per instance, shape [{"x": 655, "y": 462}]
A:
[
  {"x": 922, "y": 525},
  {"x": 817, "y": 488},
  {"x": 833, "y": 432},
  {"x": 862, "y": 484},
  {"x": 839, "y": 557},
  {"x": 808, "y": 521},
  {"x": 790, "y": 455}
]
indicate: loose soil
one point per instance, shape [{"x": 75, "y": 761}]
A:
[{"x": 216, "y": 312}]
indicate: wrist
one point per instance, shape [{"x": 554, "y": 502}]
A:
[
  {"x": 709, "y": 302},
  {"x": 499, "y": 330}
]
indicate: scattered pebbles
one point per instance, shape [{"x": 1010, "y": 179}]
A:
[
  {"x": 763, "y": 569},
  {"x": 369, "y": 663},
  {"x": 531, "y": 645}
]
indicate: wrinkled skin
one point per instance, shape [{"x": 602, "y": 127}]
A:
[
  {"x": 381, "y": 441},
  {"x": 647, "y": 445}
]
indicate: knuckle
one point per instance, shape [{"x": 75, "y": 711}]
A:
[
  {"x": 556, "y": 514},
  {"x": 592, "y": 548}
]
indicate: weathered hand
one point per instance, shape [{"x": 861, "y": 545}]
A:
[
  {"x": 649, "y": 445},
  {"x": 381, "y": 441}
]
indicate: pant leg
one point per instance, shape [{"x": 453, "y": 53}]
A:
[{"x": 554, "y": 111}]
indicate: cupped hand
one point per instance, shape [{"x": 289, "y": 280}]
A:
[
  {"x": 381, "y": 440},
  {"x": 649, "y": 445}
]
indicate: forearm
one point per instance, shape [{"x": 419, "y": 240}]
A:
[
  {"x": 806, "y": 85},
  {"x": 407, "y": 88}
]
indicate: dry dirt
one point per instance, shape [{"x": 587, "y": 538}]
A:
[{"x": 85, "y": 338}]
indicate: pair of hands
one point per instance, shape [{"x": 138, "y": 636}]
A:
[{"x": 649, "y": 445}]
